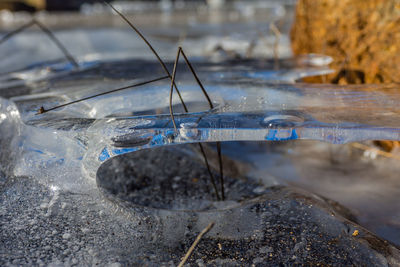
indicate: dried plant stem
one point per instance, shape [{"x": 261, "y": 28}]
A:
[
  {"x": 197, "y": 78},
  {"x": 58, "y": 43},
  {"x": 171, "y": 111},
  {"x": 152, "y": 50},
  {"x": 198, "y": 238},
  {"x": 277, "y": 34},
  {"x": 171, "y": 77},
  {"x": 221, "y": 170},
  {"x": 48, "y": 32},
  {"x": 209, "y": 171},
  {"x": 16, "y": 31},
  {"x": 180, "y": 51},
  {"x": 43, "y": 110},
  {"x": 173, "y": 85}
]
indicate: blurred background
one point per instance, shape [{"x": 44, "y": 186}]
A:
[
  {"x": 13, "y": 11},
  {"x": 36, "y": 5},
  {"x": 207, "y": 29},
  {"x": 75, "y": 5}
]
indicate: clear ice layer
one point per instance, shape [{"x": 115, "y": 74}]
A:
[{"x": 250, "y": 104}]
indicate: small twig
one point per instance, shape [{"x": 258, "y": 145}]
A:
[
  {"x": 198, "y": 238},
  {"x": 197, "y": 79},
  {"x": 209, "y": 171},
  {"x": 180, "y": 51},
  {"x": 16, "y": 31},
  {"x": 221, "y": 170},
  {"x": 43, "y": 110},
  {"x": 173, "y": 84},
  {"x": 152, "y": 50},
  {"x": 171, "y": 111},
  {"x": 277, "y": 33},
  {"x": 69, "y": 57},
  {"x": 44, "y": 29}
]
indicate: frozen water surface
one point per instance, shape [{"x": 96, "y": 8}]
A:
[
  {"x": 246, "y": 109},
  {"x": 75, "y": 159},
  {"x": 67, "y": 146}
]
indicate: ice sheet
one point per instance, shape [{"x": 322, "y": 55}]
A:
[{"x": 249, "y": 105}]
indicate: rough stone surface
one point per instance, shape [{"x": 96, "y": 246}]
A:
[
  {"x": 363, "y": 37},
  {"x": 179, "y": 183},
  {"x": 43, "y": 226}
]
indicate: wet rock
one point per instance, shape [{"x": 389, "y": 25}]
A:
[{"x": 361, "y": 36}]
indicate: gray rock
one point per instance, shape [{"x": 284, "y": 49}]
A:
[{"x": 282, "y": 225}]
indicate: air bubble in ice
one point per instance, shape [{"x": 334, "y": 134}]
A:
[
  {"x": 281, "y": 121},
  {"x": 189, "y": 130}
]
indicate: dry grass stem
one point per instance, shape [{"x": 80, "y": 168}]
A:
[
  {"x": 198, "y": 238},
  {"x": 277, "y": 34},
  {"x": 49, "y": 33},
  {"x": 171, "y": 77},
  {"x": 152, "y": 50},
  {"x": 43, "y": 110},
  {"x": 209, "y": 171}
]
